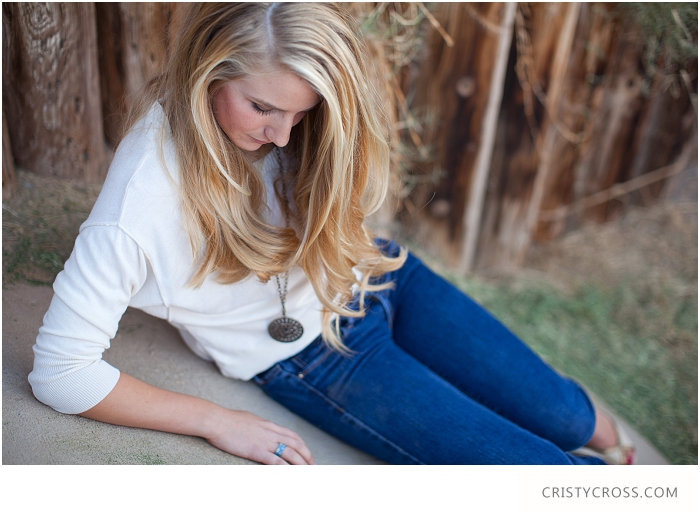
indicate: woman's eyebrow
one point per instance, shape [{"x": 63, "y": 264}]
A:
[{"x": 266, "y": 105}]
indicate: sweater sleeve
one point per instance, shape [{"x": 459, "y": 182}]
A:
[{"x": 91, "y": 294}]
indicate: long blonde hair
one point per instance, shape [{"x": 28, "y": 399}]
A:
[{"x": 340, "y": 150}]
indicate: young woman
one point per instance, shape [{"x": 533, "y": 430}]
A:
[{"x": 235, "y": 208}]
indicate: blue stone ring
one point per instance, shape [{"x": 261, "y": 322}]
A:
[{"x": 280, "y": 449}]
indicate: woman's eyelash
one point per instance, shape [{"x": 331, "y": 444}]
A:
[{"x": 260, "y": 110}]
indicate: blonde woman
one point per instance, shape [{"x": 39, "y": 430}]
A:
[{"x": 235, "y": 208}]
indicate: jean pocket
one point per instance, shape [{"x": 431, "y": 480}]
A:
[
  {"x": 298, "y": 365},
  {"x": 268, "y": 375},
  {"x": 305, "y": 363}
]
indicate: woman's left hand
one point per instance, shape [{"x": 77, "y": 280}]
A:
[
  {"x": 250, "y": 436},
  {"x": 135, "y": 403}
]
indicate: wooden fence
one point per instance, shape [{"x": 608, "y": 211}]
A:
[
  {"x": 69, "y": 72},
  {"x": 530, "y": 118},
  {"x": 533, "y": 142}
]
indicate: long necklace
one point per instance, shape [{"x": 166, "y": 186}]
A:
[{"x": 284, "y": 329}]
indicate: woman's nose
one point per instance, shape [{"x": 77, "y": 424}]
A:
[{"x": 278, "y": 133}]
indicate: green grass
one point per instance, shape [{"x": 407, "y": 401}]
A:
[
  {"x": 39, "y": 226},
  {"x": 635, "y": 350},
  {"x": 30, "y": 252}
]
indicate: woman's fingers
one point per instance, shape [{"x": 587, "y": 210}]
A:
[
  {"x": 273, "y": 459},
  {"x": 292, "y": 457},
  {"x": 249, "y": 436},
  {"x": 300, "y": 449},
  {"x": 293, "y": 440}
]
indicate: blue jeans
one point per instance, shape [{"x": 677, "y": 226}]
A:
[{"x": 434, "y": 379}]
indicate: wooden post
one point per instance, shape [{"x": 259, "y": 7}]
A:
[
  {"x": 474, "y": 208},
  {"x": 134, "y": 42},
  {"x": 51, "y": 94},
  {"x": 609, "y": 155},
  {"x": 9, "y": 178},
  {"x": 453, "y": 91},
  {"x": 551, "y": 133}
]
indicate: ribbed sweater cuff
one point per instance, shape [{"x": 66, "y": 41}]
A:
[{"x": 76, "y": 390}]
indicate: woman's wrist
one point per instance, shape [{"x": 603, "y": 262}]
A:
[
  {"x": 213, "y": 421},
  {"x": 134, "y": 403}
]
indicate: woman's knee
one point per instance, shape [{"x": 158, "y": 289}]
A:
[{"x": 577, "y": 420}]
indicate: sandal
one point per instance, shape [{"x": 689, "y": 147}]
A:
[{"x": 621, "y": 454}]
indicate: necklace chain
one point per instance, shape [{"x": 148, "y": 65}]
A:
[
  {"x": 284, "y": 329},
  {"x": 285, "y": 207},
  {"x": 283, "y": 292}
]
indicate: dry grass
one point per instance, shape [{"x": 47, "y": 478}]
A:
[{"x": 656, "y": 246}]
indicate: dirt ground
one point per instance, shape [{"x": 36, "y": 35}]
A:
[{"x": 658, "y": 244}]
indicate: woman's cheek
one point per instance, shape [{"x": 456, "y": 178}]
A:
[{"x": 298, "y": 118}]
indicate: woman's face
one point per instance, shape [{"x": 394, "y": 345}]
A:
[{"x": 259, "y": 109}]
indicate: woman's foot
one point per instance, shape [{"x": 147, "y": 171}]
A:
[
  {"x": 611, "y": 442},
  {"x": 604, "y": 435}
]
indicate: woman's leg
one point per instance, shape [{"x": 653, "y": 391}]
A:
[
  {"x": 464, "y": 344},
  {"x": 383, "y": 401}
]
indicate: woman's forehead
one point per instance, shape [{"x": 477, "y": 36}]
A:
[{"x": 281, "y": 90}]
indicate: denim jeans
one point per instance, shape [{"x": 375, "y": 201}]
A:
[{"x": 433, "y": 378}]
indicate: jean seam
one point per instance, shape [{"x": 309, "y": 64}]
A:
[
  {"x": 384, "y": 302},
  {"x": 265, "y": 377},
  {"x": 310, "y": 367},
  {"x": 356, "y": 420},
  {"x": 405, "y": 273}
]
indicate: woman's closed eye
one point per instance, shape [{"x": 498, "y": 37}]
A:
[{"x": 261, "y": 110}]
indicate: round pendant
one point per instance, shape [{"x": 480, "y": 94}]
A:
[{"x": 285, "y": 330}]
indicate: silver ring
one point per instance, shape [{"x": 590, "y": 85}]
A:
[{"x": 279, "y": 450}]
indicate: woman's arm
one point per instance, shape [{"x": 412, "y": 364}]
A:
[
  {"x": 134, "y": 403},
  {"x": 91, "y": 294}
]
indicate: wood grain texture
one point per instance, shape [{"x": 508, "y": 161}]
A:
[
  {"x": 134, "y": 43},
  {"x": 9, "y": 177},
  {"x": 51, "y": 91},
  {"x": 453, "y": 90}
]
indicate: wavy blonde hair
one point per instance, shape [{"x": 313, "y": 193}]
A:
[{"x": 339, "y": 148}]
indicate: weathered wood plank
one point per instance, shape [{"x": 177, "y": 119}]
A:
[
  {"x": 452, "y": 92},
  {"x": 474, "y": 209},
  {"x": 551, "y": 140},
  {"x": 134, "y": 42},
  {"x": 51, "y": 95},
  {"x": 9, "y": 177}
]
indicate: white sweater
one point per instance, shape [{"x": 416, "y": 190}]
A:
[{"x": 133, "y": 251}]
